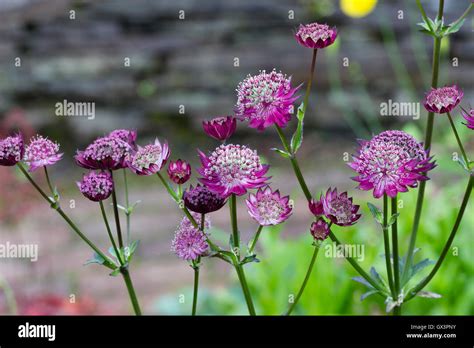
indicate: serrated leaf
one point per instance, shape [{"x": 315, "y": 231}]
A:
[
  {"x": 428, "y": 294},
  {"x": 363, "y": 281},
  {"x": 282, "y": 153},
  {"x": 297, "y": 138},
  {"x": 376, "y": 213},
  {"x": 367, "y": 294}
]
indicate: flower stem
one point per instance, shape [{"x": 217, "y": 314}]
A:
[
  {"x": 109, "y": 232},
  {"x": 461, "y": 147},
  {"x": 396, "y": 271},
  {"x": 48, "y": 180},
  {"x": 310, "y": 80},
  {"x": 107, "y": 262},
  {"x": 131, "y": 290},
  {"x": 412, "y": 293},
  {"x": 236, "y": 251},
  {"x": 255, "y": 239},
  {"x": 127, "y": 204},
  {"x": 196, "y": 288},
  {"x": 305, "y": 281},
  {"x": 294, "y": 164},
  {"x": 428, "y": 137},
  {"x": 386, "y": 243},
  {"x": 116, "y": 214}
]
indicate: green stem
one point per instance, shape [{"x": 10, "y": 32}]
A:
[
  {"x": 428, "y": 137},
  {"x": 9, "y": 296},
  {"x": 127, "y": 204},
  {"x": 458, "y": 139},
  {"x": 107, "y": 262},
  {"x": 411, "y": 293},
  {"x": 109, "y": 232},
  {"x": 397, "y": 310},
  {"x": 359, "y": 269},
  {"x": 255, "y": 239},
  {"x": 116, "y": 214},
  {"x": 131, "y": 290},
  {"x": 196, "y": 288},
  {"x": 396, "y": 271},
  {"x": 294, "y": 164},
  {"x": 310, "y": 80},
  {"x": 245, "y": 288},
  {"x": 48, "y": 180},
  {"x": 386, "y": 243},
  {"x": 305, "y": 281}
]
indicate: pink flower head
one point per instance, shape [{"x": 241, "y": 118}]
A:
[
  {"x": 339, "y": 208},
  {"x": 12, "y": 150},
  {"x": 316, "y": 35},
  {"x": 96, "y": 186},
  {"x": 320, "y": 229},
  {"x": 129, "y": 136},
  {"x": 469, "y": 117},
  {"x": 189, "y": 243},
  {"x": 41, "y": 152},
  {"x": 265, "y": 99},
  {"x": 201, "y": 200},
  {"x": 390, "y": 163},
  {"x": 316, "y": 207},
  {"x": 220, "y": 128},
  {"x": 106, "y": 153},
  {"x": 149, "y": 159},
  {"x": 232, "y": 169},
  {"x": 267, "y": 207},
  {"x": 179, "y": 171},
  {"x": 443, "y": 99}
]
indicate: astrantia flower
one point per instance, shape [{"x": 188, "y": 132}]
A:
[
  {"x": 232, "y": 169},
  {"x": 189, "y": 243},
  {"x": 265, "y": 99},
  {"x": 444, "y": 99},
  {"x": 316, "y": 207},
  {"x": 320, "y": 229},
  {"x": 316, "y": 35},
  {"x": 267, "y": 207},
  {"x": 339, "y": 208},
  {"x": 41, "y": 152},
  {"x": 11, "y": 150},
  {"x": 104, "y": 153},
  {"x": 149, "y": 159},
  {"x": 201, "y": 200},
  {"x": 179, "y": 171},
  {"x": 220, "y": 128},
  {"x": 390, "y": 163},
  {"x": 96, "y": 186},
  {"x": 469, "y": 117},
  {"x": 129, "y": 136}
]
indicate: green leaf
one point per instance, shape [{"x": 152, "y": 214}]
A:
[
  {"x": 393, "y": 218},
  {"x": 454, "y": 27},
  {"x": 428, "y": 294},
  {"x": 130, "y": 250},
  {"x": 248, "y": 259},
  {"x": 367, "y": 294},
  {"x": 297, "y": 138},
  {"x": 363, "y": 281},
  {"x": 115, "y": 272},
  {"x": 281, "y": 152},
  {"x": 376, "y": 213},
  {"x": 377, "y": 277},
  {"x": 95, "y": 259},
  {"x": 420, "y": 265}
]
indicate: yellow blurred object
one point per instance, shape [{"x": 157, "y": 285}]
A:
[{"x": 357, "y": 8}]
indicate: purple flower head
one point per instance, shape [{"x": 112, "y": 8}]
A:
[
  {"x": 41, "y": 152},
  {"x": 339, "y": 208},
  {"x": 320, "y": 229},
  {"x": 316, "y": 35},
  {"x": 469, "y": 117},
  {"x": 265, "y": 99},
  {"x": 201, "y": 200},
  {"x": 189, "y": 243},
  {"x": 129, "y": 136},
  {"x": 12, "y": 150},
  {"x": 232, "y": 169},
  {"x": 316, "y": 207},
  {"x": 96, "y": 186},
  {"x": 220, "y": 128},
  {"x": 149, "y": 159},
  {"x": 179, "y": 171},
  {"x": 390, "y": 163},
  {"x": 106, "y": 153},
  {"x": 267, "y": 207},
  {"x": 443, "y": 99}
]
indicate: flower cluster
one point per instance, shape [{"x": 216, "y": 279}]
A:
[
  {"x": 267, "y": 207},
  {"x": 390, "y": 163},
  {"x": 179, "y": 171},
  {"x": 149, "y": 159},
  {"x": 129, "y": 136},
  {"x": 201, "y": 200},
  {"x": 96, "y": 186},
  {"x": 106, "y": 153},
  {"x": 11, "y": 150},
  {"x": 444, "y": 99},
  {"x": 469, "y": 117},
  {"x": 220, "y": 128},
  {"x": 41, "y": 152},
  {"x": 189, "y": 243},
  {"x": 316, "y": 35},
  {"x": 265, "y": 99},
  {"x": 232, "y": 169}
]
